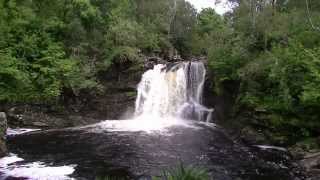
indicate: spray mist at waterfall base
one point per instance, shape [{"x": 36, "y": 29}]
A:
[{"x": 148, "y": 124}]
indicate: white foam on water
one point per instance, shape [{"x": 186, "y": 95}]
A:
[
  {"x": 265, "y": 147},
  {"x": 148, "y": 124},
  {"x": 14, "y": 132},
  {"x": 13, "y": 166},
  {"x": 12, "y": 158}
]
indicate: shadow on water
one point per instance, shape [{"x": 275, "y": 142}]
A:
[{"x": 132, "y": 155}]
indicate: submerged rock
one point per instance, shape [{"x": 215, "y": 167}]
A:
[{"x": 3, "y": 129}]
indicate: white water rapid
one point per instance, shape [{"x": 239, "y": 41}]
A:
[{"x": 173, "y": 91}]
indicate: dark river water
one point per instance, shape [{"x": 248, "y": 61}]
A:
[{"x": 134, "y": 150}]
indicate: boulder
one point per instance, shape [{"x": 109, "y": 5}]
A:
[{"x": 3, "y": 130}]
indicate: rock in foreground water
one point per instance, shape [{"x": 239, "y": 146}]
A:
[{"x": 3, "y": 129}]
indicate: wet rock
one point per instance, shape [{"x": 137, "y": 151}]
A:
[
  {"x": 150, "y": 62},
  {"x": 15, "y": 115},
  {"x": 251, "y": 136},
  {"x": 311, "y": 163},
  {"x": 33, "y": 116},
  {"x": 3, "y": 129},
  {"x": 39, "y": 124}
]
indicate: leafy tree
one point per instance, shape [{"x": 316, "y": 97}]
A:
[
  {"x": 182, "y": 25},
  {"x": 271, "y": 49}
]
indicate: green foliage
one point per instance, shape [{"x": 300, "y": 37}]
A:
[
  {"x": 181, "y": 26},
  {"x": 34, "y": 64},
  {"x": 207, "y": 32},
  {"x": 272, "y": 49},
  {"x": 185, "y": 173},
  {"x": 179, "y": 173},
  {"x": 285, "y": 82},
  {"x": 46, "y": 49},
  {"x": 214, "y": 38}
]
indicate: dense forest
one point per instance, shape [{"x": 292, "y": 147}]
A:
[
  {"x": 45, "y": 49},
  {"x": 268, "y": 48}
]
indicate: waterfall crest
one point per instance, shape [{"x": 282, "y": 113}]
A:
[{"x": 173, "y": 90}]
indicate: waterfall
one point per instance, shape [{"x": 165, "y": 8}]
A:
[{"x": 173, "y": 90}]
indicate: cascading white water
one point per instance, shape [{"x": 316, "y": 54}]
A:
[{"x": 173, "y": 90}]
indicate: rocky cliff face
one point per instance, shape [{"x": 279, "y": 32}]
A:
[{"x": 3, "y": 130}]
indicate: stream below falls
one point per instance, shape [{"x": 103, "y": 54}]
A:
[{"x": 109, "y": 148}]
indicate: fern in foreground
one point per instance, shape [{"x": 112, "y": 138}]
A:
[
  {"x": 185, "y": 173},
  {"x": 179, "y": 173}
]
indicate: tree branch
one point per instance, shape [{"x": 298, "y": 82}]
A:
[{"x": 310, "y": 18}]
